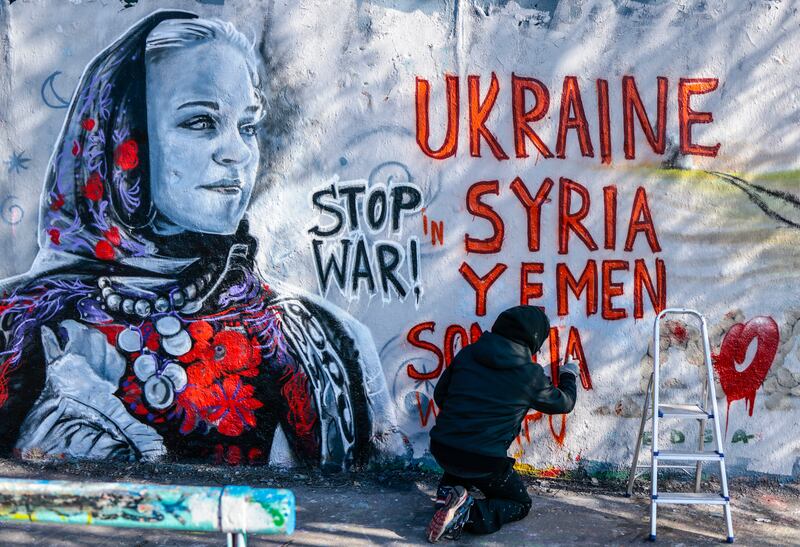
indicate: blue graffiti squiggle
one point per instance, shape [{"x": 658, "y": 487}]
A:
[
  {"x": 62, "y": 103},
  {"x": 11, "y": 211}
]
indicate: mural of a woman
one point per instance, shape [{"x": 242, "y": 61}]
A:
[{"x": 143, "y": 328}]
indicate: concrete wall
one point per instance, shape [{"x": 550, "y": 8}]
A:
[{"x": 702, "y": 212}]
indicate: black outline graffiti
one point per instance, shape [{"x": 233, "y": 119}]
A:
[
  {"x": 753, "y": 190},
  {"x": 355, "y": 211}
]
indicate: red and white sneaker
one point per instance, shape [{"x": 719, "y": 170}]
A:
[
  {"x": 449, "y": 520},
  {"x": 441, "y": 496}
]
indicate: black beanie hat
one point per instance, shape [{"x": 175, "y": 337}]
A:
[{"x": 527, "y": 325}]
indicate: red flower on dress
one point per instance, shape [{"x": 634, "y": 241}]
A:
[
  {"x": 103, "y": 250},
  {"x": 215, "y": 392},
  {"x": 302, "y": 415},
  {"x": 55, "y": 236},
  {"x": 201, "y": 332},
  {"x": 226, "y": 352},
  {"x": 94, "y": 187},
  {"x": 126, "y": 156},
  {"x": 58, "y": 203},
  {"x": 236, "y": 354},
  {"x": 233, "y": 407},
  {"x": 194, "y": 400},
  {"x": 112, "y": 235}
]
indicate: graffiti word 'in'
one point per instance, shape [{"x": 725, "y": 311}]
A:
[
  {"x": 530, "y": 103},
  {"x": 356, "y": 213},
  {"x": 436, "y": 229}
]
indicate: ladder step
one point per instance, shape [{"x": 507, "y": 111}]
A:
[
  {"x": 690, "y": 498},
  {"x": 669, "y": 455},
  {"x": 683, "y": 411}
]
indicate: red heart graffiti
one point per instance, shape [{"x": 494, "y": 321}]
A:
[{"x": 743, "y": 385}]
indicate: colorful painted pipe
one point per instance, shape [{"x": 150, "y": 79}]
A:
[{"x": 230, "y": 509}]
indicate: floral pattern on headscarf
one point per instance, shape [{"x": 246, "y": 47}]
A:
[{"x": 96, "y": 199}]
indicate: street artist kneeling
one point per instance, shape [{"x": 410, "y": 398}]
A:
[{"x": 483, "y": 397}]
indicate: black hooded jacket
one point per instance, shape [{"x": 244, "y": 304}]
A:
[{"x": 487, "y": 390}]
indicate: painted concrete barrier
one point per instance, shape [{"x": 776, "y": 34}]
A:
[
  {"x": 410, "y": 170},
  {"x": 230, "y": 509}
]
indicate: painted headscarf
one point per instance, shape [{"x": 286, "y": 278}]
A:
[
  {"x": 96, "y": 201},
  {"x": 95, "y": 207}
]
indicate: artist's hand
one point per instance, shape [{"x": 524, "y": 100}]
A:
[
  {"x": 572, "y": 367},
  {"x": 83, "y": 343},
  {"x": 77, "y": 414}
]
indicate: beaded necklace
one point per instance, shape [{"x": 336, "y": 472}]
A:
[{"x": 162, "y": 376}]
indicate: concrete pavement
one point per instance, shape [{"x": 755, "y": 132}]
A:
[{"x": 392, "y": 508}]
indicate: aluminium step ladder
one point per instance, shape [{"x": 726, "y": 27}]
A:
[{"x": 707, "y": 410}]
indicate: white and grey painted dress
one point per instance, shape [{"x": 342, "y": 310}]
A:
[{"x": 211, "y": 380}]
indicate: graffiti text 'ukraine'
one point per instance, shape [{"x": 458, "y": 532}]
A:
[{"x": 530, "y": 103}]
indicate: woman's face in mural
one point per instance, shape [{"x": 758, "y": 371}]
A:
[{"x": 202, "y": 114}]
